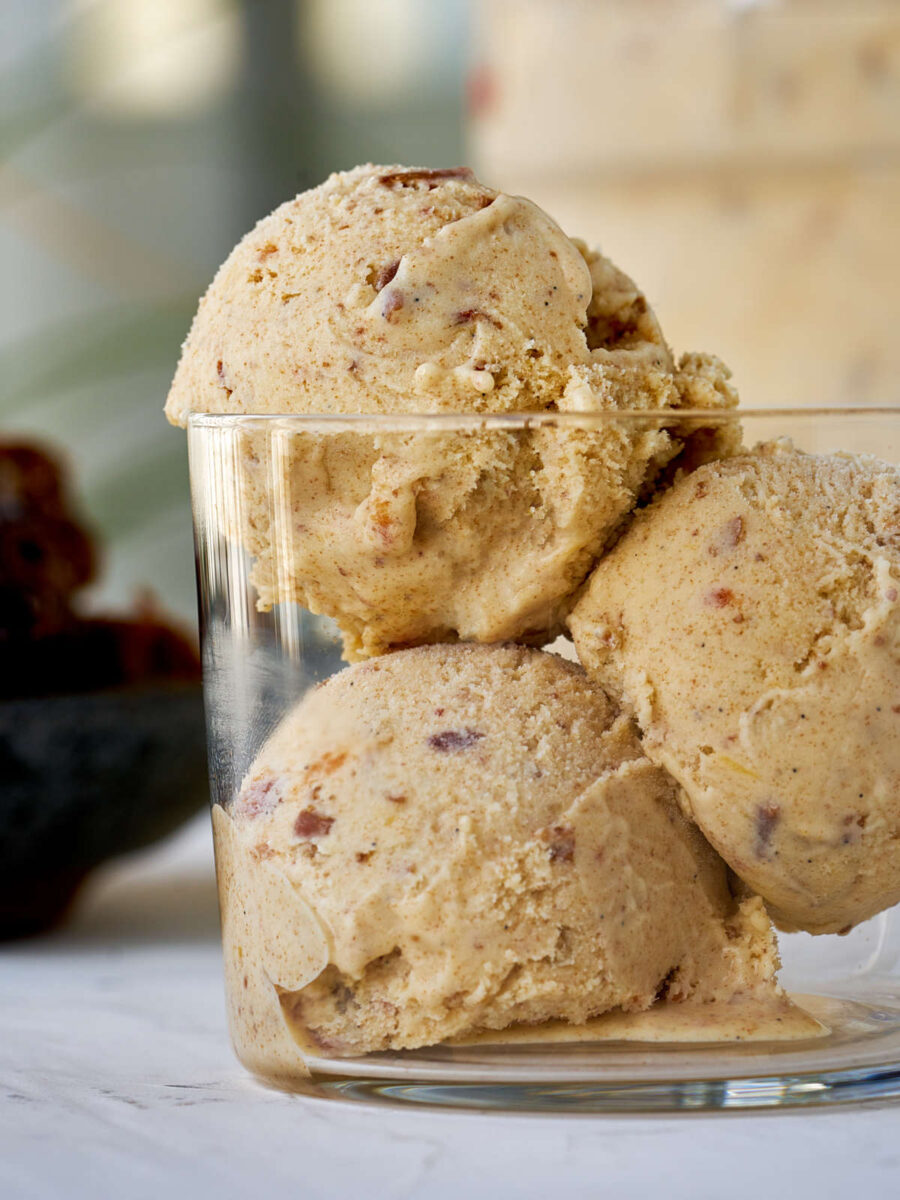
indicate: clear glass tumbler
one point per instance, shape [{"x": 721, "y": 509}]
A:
[{"x": 405, "y": 530}]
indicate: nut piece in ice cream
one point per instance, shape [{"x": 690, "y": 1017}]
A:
[
  {"x": 392, "y": 291},
  {"x": 474, "y": 839},
  {"x": 750, "y": 618}
]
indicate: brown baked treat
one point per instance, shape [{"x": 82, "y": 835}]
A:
[
  {"x": 90, "y": 655},
  {"x": 86, "y": 771},
  {"x": 45, "y": 553},
  {"x": 46, "y": 556}
]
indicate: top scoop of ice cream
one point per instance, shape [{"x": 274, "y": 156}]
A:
[
  {"x": 751, "y": 619},
  {"x": 409, "y": 290},
  {"x": 391, "y": 291},
  {"x": 482, "y": 842}
]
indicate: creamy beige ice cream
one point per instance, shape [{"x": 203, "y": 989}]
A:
[
  {"x": 392, "y": 291},
  {"x": 750, "y": 618},
  {"x": 460, "y": 838}
]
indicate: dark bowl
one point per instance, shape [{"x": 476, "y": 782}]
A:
[{"x": 87, "y": 776}]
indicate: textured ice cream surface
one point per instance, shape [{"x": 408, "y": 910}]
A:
[
  {"x": 473, "y": 839},
  {"x": 750, "y": 619},
  {"x": 391, "y": 291}
]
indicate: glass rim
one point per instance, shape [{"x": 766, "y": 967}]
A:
[{"x": 545, "y": 419}]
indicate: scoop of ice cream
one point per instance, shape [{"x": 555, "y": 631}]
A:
[
  {"x": 750, "y": 619},
  {"x": 390, "y": 291},
  {"x": 473, "y": 838}
]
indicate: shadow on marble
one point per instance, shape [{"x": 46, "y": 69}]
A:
[
  {"x": 164, "y": 895},
  {"x": 174, "y": 909},
  {"x": 164, "y": 912}
]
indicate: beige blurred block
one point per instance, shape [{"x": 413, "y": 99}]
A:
[
  {"x": 793, "y": 278},
  {"x": 818, "y": 79},
  {"x": 579, "y": 85},
  {"x": 576, "y": 83},
  {"x": 741, "y": 160}
]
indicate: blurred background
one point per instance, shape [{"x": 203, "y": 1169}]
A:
[
  {"x": 141, "y": 138},
  {"x": 740, "y": 159}
]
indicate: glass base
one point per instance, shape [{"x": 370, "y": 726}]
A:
[{"x": 858, "y": 1060}]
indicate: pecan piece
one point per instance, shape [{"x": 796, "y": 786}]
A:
[
  {"x": 767, "y": 817},
  {"x": 312, "y": 824},
  {"x": 451, "y": 740},
  {"x": 560, "y": 840},
  {"x": 220, "y": 371},
  {"x": 475, "y": 314},
  {"x": 258, "y": 798},
  {"x": 385, "y": 274},
  {"x": 730, "y": 535},
  {"x": 429, "y": 175}
]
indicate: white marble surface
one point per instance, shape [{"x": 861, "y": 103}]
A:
[{"x": 116, "y": 1080}]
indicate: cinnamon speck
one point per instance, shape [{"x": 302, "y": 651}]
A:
[{"x": 327, "y": 763}]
